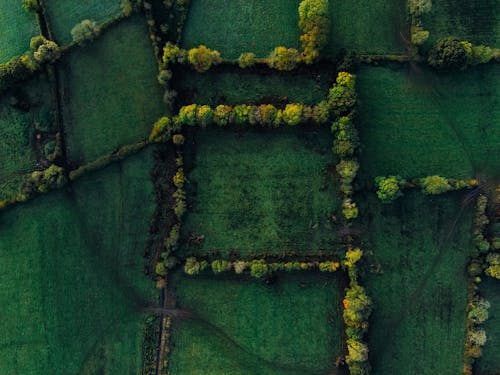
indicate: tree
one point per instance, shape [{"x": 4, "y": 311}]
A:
[
  {"x": 448, "y": 53},
  {"x": 85, "y": 31},
  {"x": 220, "y": 265},
  {"x": 162, "y": 130},
  {"x": 314, "y": 24},
  {"x": 493, "y": 269},
  {"x": 203, "y": 58},
  {"x": 192, "y": 266},
  {"x": 283, "y": 58},
  {"x": 258, "y": 268},
  {"x": 433, "y": 185},
  {"x": 246, "y": 60},
  {"x": 292, "y": 114},
  {"x": 389, "y": 188},
  {"x": 31, "y": 5},
  {"x": 346, "y": 138},
  {"x": 44, "y": 50},
  {"x": 222, "y": 115},
  {"x": 204, "y": 115},
  {"x": 342, "y": 96},
  {"x": 349, "y": 209},
  {"x": 187, "y": 115}
]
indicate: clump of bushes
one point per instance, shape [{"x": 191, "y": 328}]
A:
[
  {"x": 389, "y": 188},
  {"x": 203, "y": 58},
  {"x": 314, "y": 24},
  {"x": 85, "y": 31}
]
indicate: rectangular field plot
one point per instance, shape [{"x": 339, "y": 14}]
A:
[
  {"x": 112, "y": 97},
  {"x": 416, "y": 123},
  {"x": 23, "y": 112},
  {"x": 242, "y": 86},
  {"x": 418, "y": 284},
  {"x": 71, "y": 270},
  {"x": 260, "y": 192},
  {"x": 65, "y": 14},
  {"x": 477, "y": 21},
  {"x": 367, "y": 26},
  {"x": 236, "y": 26},
  {"x": 489, "y": 363},
  {"x": 236, "y": 326},
  {"x": 18, "y": 27}
]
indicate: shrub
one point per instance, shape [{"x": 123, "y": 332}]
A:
[
  {"x": 419, "y": 7},
  {"x": 164, "y": 77},
  {"x": 258, "y": 268},
  {"x": 389, "y": 188},
  {"x": 31, "y": 5},
  {"x": 85, "y": 31},
  {"x": 162, "y": 130},
  {"x": 267, "y": 114},
  {"x": 347, "y": 170},
  {"x": 240, "y": 266},
  {"x": 479, "y": 311},
  {"x": 314, "y": 24},
  {"x": 418, "y": 35},
  {"x": 192, "y": 266},
  {"x": 357, "y": 351},
  {"x": 172, "y": 53},
  {"x": 292, "y": 114},
  {"x": 246, "y": 60},
  {"x": 178, "y": 139},
  {"x": 203, "y": 58},
  {"x": 42, "y": 181},
  {"x": 241, "y": 114},
  {"x": 352, "y": 256},
  {"x": 220, "y": 265},
  {"x": 328, "y": 266},
  {"x": 179, "y": 178},
  {"x": 187, "y": 115},
  {"x": 44, "y": 50},
  {"x": 283, "y": 58},
  {"x": 320, "y": 112},
  {"x": 204, "y": 115},
  {"x": 448, "y": 53},
  {"x": 493, "y": 268},
  {"x": 346, "y": 138},
  {"x": 349, "y": 209},
  {"x": 433, "y": 185},
  {"x": 222, "y": 115}
]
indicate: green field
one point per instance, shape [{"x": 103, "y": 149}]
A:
[
  {"x": 22, "y": 112},
  {"x": 65, "y": 14},
  {"x": 366, "y": 26},
  {"x": 418, "y": 248},
  {"x": 489, "y": 363},
  {"x": 415, "y": 123},
  {"x": 256, "y": 192},
  {"x": 112, "y": 97},
  {"x": 474, "y": 20},
  {"x": 231, "y": 88},
  {"x": 236, "y": 26},
  {"x": 71, "y": 275},
  {"x": 238, "y": 326},
  {"x": 18, "y": 27}
]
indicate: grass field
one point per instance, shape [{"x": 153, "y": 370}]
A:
[
  {"x": 71, "y": 275},
  {"x": 17, "y": 130},
  {"x": 65, "y": 14},
  {"x": 292, "y": 326},
  {"x": 113, "y": 95},
  {"x": 473, "y": 20},
  {"x": 236, "y": 26},
  {"x": 489, "y": 363},
  {"x": 231, "y": 88},
  {"x": 420, "y": 292},
  {"x": 18, "y": 27},
  {"x": 261, "y": 192},
  {"x": 366, "y": 26},
  {"x": 420, "y": 123}
]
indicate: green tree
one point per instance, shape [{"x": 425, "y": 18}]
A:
[
  {"x": 259, "y": 268},
  {"x": 448, "y": 53},
  {"x": 246, "y": 60},
  {"x": 203, "y": 58},
  {"x": 85, "y": 31},
  {"x": 389, "y": 188},
  {"x": 433, "y": 185},
  {"x": 283, "y": 58}
]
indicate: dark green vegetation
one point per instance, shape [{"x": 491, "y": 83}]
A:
[
  {"x": 238, "y": 326},
  {"x": 415, "y": 123},
  {"x": 418, "y": 283},
  {"x": 18, "y": 26},
  {"x": 24, "y": 112},
  {"x": 261, "y": 192},
  {"x": 65, "y": 14},
  {"x": 232, "y": 88},
  {"x": 113, "y": 97},
  {"x": 236, "y": 26},
  {"x": 489, "y": 363},
  {"x": 72, "y": 275},
  {"x": 365, "y": 26},
  {"x": 474, "y": 20}
]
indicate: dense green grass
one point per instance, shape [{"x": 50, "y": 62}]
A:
[
  {"x": 236, "y": 26},
  {"x": 18, "y": 124},
  {"x": 420, "y": 290},
  {"x": 113, "y": 96},
  {"x": 292, "y": 326},
  {"x": 416, "y": 123},
  {"x": 474, "y": 20},
  {"x": 18, "y": 27},
  {"x": 261, "y": 192},
  {"x": 218, "y": 87},
  {"x": 65, "y": 14},
  {"x": 489, "y": 363},
  {"x": 367, "y": 26},
  {"x": 71, "y": 275}
]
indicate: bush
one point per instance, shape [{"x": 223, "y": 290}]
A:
[
  {"x": 328, "y": 266},
  {"x": 203, "y": 58},
  {"x": 433, "y": 185},
  {"x": 292, "y": 114},
  {"x": 389, "y": 188},
  {"x": 419, "y": 7},
  {"x": 220, "y": 265},
  {"x": 246, "y": 60},
  {"x": 31, "y": 5},
  {"x": 179, "y": 179},
  {"x": 349, "y": 209},
  {"x": 314, "y": 24},
  {"x": 240, "y": 266},
  {"x": 172, "y": 53},
  {"x": 222, "y": 115},
  {"x": 448, "y": 53},
  {"x": 347, "y": 170},
  {"x": 192, "y": 266},
  {"x": 85, "y": 31},
  {"x": 418, "y": 35},
  {"x": 178, "y": 139},
  {"x": 283, "y": 58},
  {"x": 258, "y": 268},
  {"x": 162, "y": 130}
]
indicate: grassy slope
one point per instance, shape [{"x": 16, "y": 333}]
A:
[
  {"x": 247, "y": 327},
  {"x": 244, "y": 87},
  {"x": 262, "y": 192},
  {"x": 71, "y": 266},
  {"x": 17, "y": 130},
  {"x": 114, "y": 97},
  {"x": 236, "y": 26},
  {"x": 65, "y": 14},
  {"x": 418, "y": 326},
  {"x": 367, "y": 26},
  {"x": 18, "y": 26},
  {"x": 474, "y": 20},
  {"x": 489, "y": 363},
  {"x": 426, "y": 124}
]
